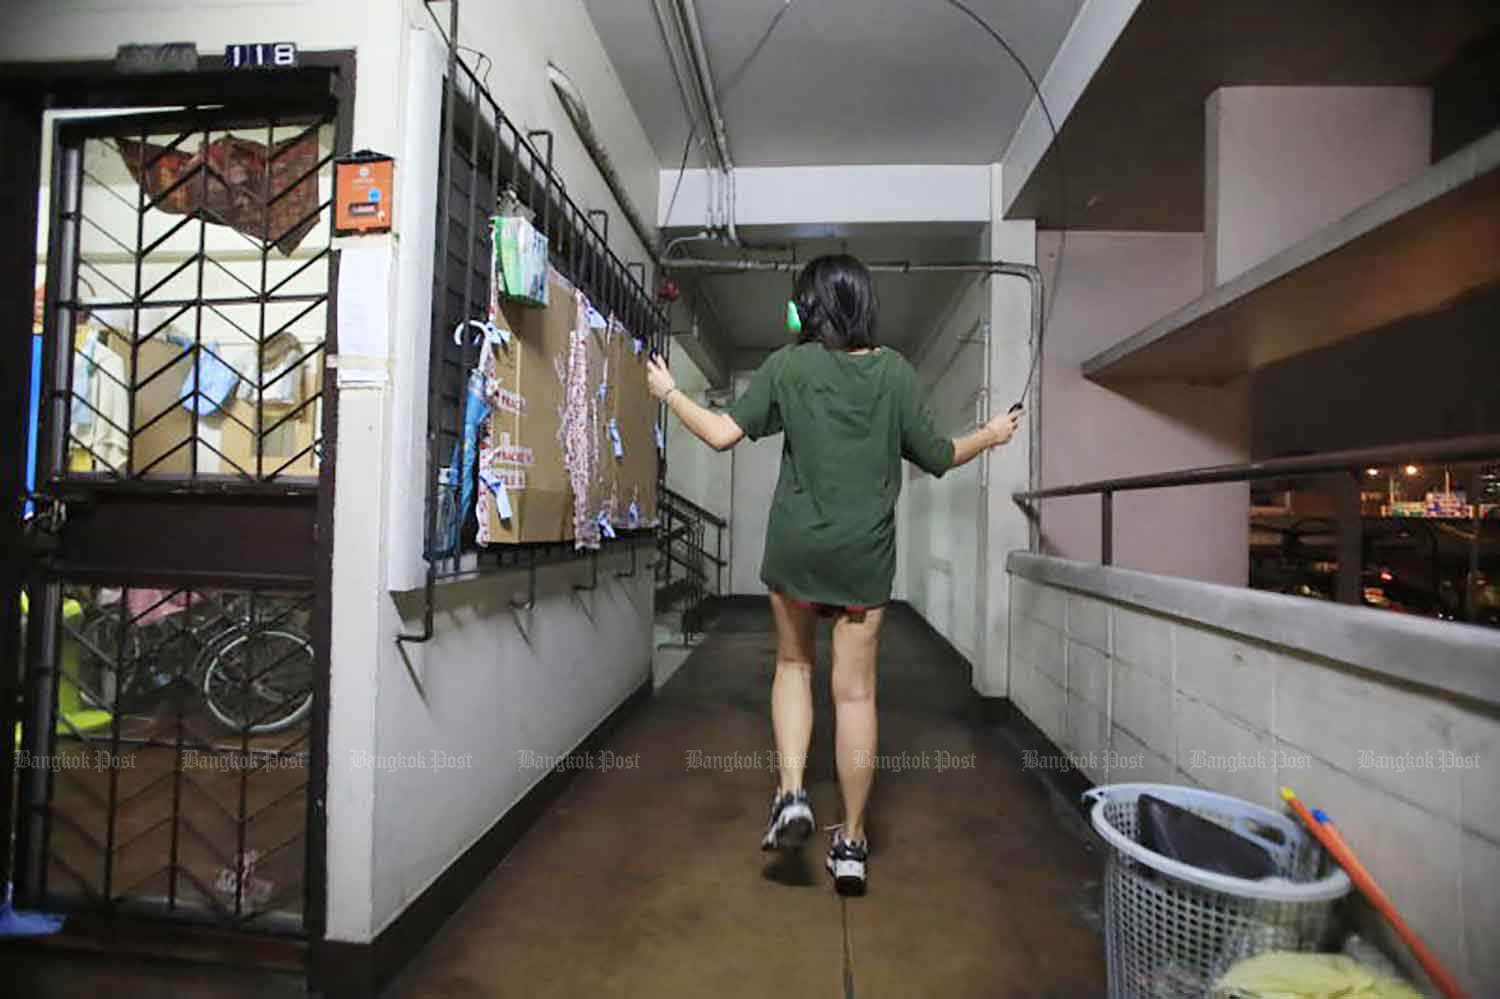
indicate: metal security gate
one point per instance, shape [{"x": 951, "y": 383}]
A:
[{"x": 176, "y": 654}]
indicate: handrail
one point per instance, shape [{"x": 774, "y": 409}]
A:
[
  {"x": 682, "y": 541},
  {"x": 700, "y": 552},
  {"x": 692, "y": 567},
  {"x": 1470, "y": 448},
  {"x": 681, "y": 500},
  {"x": 1349, "y": 524}
]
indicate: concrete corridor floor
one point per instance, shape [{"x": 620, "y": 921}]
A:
[{"x": 649, "y": 881}]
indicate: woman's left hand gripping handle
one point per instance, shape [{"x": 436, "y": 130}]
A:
[{"x": 658, "y": 379}]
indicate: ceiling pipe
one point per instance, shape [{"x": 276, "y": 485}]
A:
[
  {"x": 699, "y": 54},
  {"x": 705, "y": 76},
  {"x": 702, "y": 105},
  {"x": 687, "y": 55},
  {"x": 673, "y": 38}
]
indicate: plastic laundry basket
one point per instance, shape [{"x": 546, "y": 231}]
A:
[{"x": 1172, "y": 929}]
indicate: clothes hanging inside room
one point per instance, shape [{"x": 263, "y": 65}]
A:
[
  {"x": 99, "y": 410},
  {"x": 280, "y": 373},
  {"x": 205, "y": 392}
]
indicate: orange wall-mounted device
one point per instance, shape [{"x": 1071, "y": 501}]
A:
[{"x": 363, "y": 193}]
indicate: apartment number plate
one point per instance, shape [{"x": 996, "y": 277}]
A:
[{"x": 261, "y": 55}]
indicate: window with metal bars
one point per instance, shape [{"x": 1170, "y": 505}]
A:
[{"x": 484, "y": 157}]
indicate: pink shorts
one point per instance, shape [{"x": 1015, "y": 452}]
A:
[{"x": 824, "y": 610}]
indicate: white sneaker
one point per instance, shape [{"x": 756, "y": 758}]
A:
[
  {"x": 849, "y": 863},
  {"x": 791, "y": 822}
]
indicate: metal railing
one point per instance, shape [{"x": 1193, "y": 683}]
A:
[
  {"x": 1332, "y": 466},
  {"x": 687, "y": 563}
]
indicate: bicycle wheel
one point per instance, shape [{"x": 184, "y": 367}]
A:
[
  {"x": 260, "y": 681},
  {"x": 100, "y": 662}
]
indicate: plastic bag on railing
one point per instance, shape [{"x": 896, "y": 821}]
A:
[{"x": 461, "y": 468}]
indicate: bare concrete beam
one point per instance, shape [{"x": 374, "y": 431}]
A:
[
  {"x": 837, "y": 195},
  {"x": 1093, "y": 33}
]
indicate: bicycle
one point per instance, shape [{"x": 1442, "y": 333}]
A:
[{"x": 248, "y": 657}]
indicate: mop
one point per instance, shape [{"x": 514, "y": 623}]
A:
[{"x": 26, "y": 924}]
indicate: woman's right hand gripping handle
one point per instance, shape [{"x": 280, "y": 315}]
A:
[{"x": 1002, "y": 428}]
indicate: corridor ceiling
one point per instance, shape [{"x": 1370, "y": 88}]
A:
[
  {"x": 844, "y": 81},
  {"x": 840, "y": 82}
]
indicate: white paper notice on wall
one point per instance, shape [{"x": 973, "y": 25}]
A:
[
  {"x": 364, "y": 300},
  {"x": 362, "y": 377}
]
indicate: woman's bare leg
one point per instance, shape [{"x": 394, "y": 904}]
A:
[
  {"x": 856, "y": 644},
  {"x": 791, "y": 691}
]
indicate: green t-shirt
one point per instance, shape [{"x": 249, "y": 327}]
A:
[{"x": 849, "y": 419}]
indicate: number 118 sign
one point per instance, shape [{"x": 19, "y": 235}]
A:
[{"x": 261, "y": 55}]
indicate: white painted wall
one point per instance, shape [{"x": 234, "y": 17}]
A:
[
  {"x": 1283, "y": 162},
  {"x": 497, "y": 692},
  {"x": 491, "y": 684},
  {"x": 1111, "y": 285},
  {"x": 694, "y": 469}
]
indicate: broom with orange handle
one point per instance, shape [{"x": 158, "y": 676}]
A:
[{"x": 1322, "y": 827}]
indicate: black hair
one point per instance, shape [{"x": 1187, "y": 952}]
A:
[{"x": 835, "y": 299}]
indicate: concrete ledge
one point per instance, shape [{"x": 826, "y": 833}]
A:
[
  {"x": 1348, "y": 278},
  {"x": 1458, "y": 659}
]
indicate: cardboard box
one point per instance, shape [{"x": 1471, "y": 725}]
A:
[
  {"x": 633, "y": 472},
  {"x": 554, "y": 495},
  {"x": 229, "y": 442},
  {"x": 520, "y": 445}
]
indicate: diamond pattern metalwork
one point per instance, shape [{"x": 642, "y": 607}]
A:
[
  {"x": 170, "y": 790},
  {"x": 199, "y": 299}
]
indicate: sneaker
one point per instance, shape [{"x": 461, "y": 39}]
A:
[
  {"x": 848, "y": 862},
  {"x": 791, "y": 821}
]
